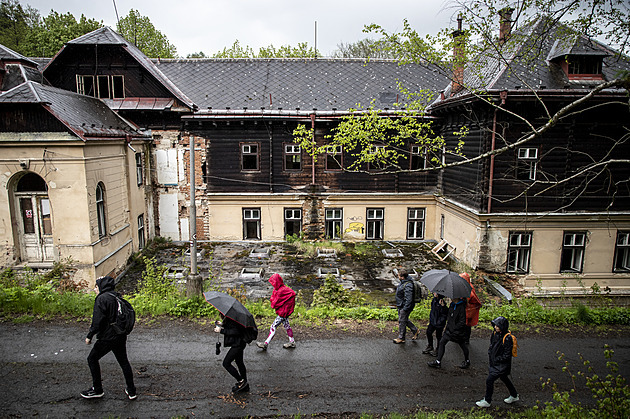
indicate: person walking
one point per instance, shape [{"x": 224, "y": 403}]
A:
[
  {"x": 283, "y": 301},
  {"x": 437, "y": 321},
  {"x": 500, "y": 362},
  {"x": 234, "y": 338},
  {"x": 405, "y": 304},
  {"x": 473, "y": 305},
  {"x": 103, "y": 315},
  {"x": 455, "y": 331}
]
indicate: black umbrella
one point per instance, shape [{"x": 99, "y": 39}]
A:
[
  {"x": 447, "y": 283},
  {"x": 230, "y": 307}
]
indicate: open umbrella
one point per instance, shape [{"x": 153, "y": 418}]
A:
[
  {"x": 447, "y": 283},
  {"x": 230, "y": 307}
]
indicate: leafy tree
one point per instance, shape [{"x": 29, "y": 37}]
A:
[
  {"x": 477, "y": 43},
  {"x": 364, "y": 48},
  {"x": 49, "y": 35},
  {"x": 199, "y": 54},
  {"x": 237, "y": 51},
  {"x": 16, "y": 25},
  {"x": 139, "y": 30}
]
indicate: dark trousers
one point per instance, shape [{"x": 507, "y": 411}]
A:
[
  {"x": 490, "y": 385},
  {"x": 468, "y": 332},
  {"x": 235, "y": 354},
  {"x": 438, "y": 334},
  {"x": 404, "y": 323},
  {"x": 446, "y": 339},
  {"x": 101, "y": 348}
]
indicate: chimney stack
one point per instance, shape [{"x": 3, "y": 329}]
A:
[
  {"x": 505, "y": 26},
  {"x": 458, "y": 58}
]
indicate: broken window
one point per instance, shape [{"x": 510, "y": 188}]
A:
[
  {"x": 292, "y": 157},
  {"x": 418, "y": 158},
  {"x": 527, "y": 163},
  {"x": 573, "y": 246},
  {"x": 415, "y": 223},
  {"x": 85, "y": 85},
  {"x": 251, "y": 223},
  {"x": 105, "y": 87},
  {"x": 334, "y": 157},
  {"x": 375, "y": 223},
  {"x": 250, "y": 157},
  {"x": 519, "y": 251}
]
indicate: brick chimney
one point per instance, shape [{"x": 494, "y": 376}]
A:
[
  {"x": 505, "y": 25},
  {"x": 458, "y": 58}
]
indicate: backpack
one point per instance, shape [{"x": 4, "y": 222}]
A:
[
  {"x": 514, "y": 343},
  {"x": 250, "y": 334},
  {"x": 419, "y": 291},
  {"x": 125, "y": 316}
]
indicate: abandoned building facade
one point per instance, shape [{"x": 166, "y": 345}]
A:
[{"x": 254, "y": 182}]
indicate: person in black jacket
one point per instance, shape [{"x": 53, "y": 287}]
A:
[
  {"x": 455, "y": 331},
  {"x": 405, "y": 304},
  {"x": 437, "y": 321},
  {"x": 500, "y": 362},
  {"x": 233, "y": 338},
  {"x": 104, "y": 314}
]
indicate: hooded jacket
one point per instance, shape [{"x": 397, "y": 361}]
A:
[
  {"x": 438, "y": 313},
  {"x": 473, "y": 305},
  {"x": 105, "y": 308},
  {"x": 282, "y": 298},
  {"x": 500, "y": 353},
  {"x": 456, "y": 323},
  {"x": 404, "y": 295},
  {"x": 233, "y": 333}
]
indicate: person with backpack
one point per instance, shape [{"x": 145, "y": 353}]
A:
[
  {"x": 500, "y": 353},
  {"x": 107, "y": 308},
  {"x": 456, "y": 332},
  {"x": 283, "y": 301},
  {"x": 473, "y": 305},
  {"x": 405, "y": 303},
  {"x": 437, "y": 321},
  {"x": 235, "y": 339}
]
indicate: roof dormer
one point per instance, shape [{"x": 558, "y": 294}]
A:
[{"x": 579, "y": 58}]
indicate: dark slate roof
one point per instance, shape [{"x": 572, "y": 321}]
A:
[
  {"x": 8, "y": 55},
  {"x": 16, "y": 74},
  {"x": 322, "y": 84},
  {"x": 107, "y": 36},
  {"x": 84, "y": 115},
  {"x": 530, "y": 54}
]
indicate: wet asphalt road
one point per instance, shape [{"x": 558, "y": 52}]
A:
[{"x": 43, "y": 368}]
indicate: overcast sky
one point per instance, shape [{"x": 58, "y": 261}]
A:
[{"x": 211, "y": 25}]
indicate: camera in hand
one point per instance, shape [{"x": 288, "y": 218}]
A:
[{"x": 218, "y": 348}]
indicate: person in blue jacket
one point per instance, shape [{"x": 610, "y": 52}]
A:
[
  {"x": 455, "y": 331},
  {"x": 437, "y": 321},
  {"x": 500, "y": 362}
]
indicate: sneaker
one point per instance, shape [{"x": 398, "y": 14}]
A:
[
  {"x": 91, "y": 393},
  {"x": 262, "y": 345},
  {"x": 482, "y": 403},
  {"x": 435, "y": 364},
  {"x": 398, "y": 341},
  {"x": 241, "y": 386},
  {"x": 434, "y": 353},
  {"x": 415, "y": 335},
  {"x": 131, "y": 394},
  {"x": 289, "y": 345},
  {"x": 428, "y": 350},
  {"x": 511, "y": 399},
  {"x": 465, "y": 365}
]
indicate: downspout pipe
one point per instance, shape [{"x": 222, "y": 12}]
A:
[
  {"x": 314, "y": 145},
  {"x": 503, "y": 96}
]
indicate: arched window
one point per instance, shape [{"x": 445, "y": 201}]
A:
[{"x": 100, "y": 210}]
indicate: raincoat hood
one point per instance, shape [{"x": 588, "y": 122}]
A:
[
  {"x": 503, "y": 324},
  {"x": 276, "y": 281},
  {"x": 105, "y": 284}
]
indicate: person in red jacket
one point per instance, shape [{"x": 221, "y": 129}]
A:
[
  {"x": 472, "y": 308},
  {"x": 283, "y": 301}
]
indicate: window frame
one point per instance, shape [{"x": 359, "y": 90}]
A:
[
  {"x": 573, "y": 254},
  {"x": 417, "y": 157},
  {"x": 333, "y": 224},
  {"x": 376, "y": 149},
  {"x": 525, "y": 163},
  {"x": 374, "y": 223},
  {"x": 519, "y": 253},
  {"x": 141, "y": 236},
  {"x": 291, "y": 219},
  {"x": 331, "y": 157},
  {"x": 103, "y": 86},
  {"x": 139, "y": 168},
  {"x": 244, "y": 155},
  {"x": 622, "y": 252},
  {"x": 413, "y": 222},
  {"x": 291, "y": 154},
  {"x": 252, "y": 218},
  {"x": 101, "y": 210},
  {"x": 81, "y": 87}
]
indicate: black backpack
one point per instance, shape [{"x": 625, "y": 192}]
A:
[
  {"x": 419, "y": 291},
  {"x": 125, "y": 316},
  {"x": 250, "y": 334}
]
